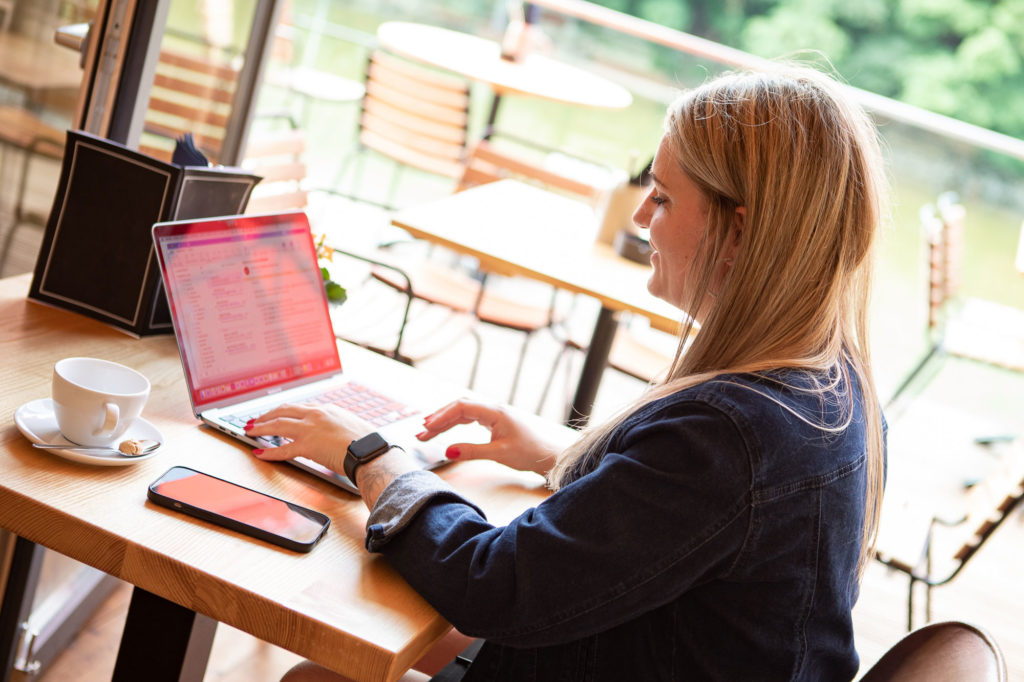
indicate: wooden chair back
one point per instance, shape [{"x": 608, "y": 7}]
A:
[
  {"x": 24, "y": 130},
  {"x": 964, "y": 326},
  {"x": 943, "y": 227},
  {"x": 950, "y": 651},
  {"x": 414, "y": 115},
  {"x": 190, "y": 94},
  {"x": 279, "y": 158},
  {"x": 487, "y": 163},
  {"x": 931, "y": 544}
]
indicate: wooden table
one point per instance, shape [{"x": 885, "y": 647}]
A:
[
  {"x": 34, "y": 66},
  {"x": 337, "y": 605},
  {"x": 479, "y": 59},
  {"x": 513, "y": 227}
]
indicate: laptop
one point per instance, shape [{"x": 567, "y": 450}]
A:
[{"x": 251, "y": 318}]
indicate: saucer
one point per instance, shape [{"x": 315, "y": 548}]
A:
[{"x": 36, "y": 421}]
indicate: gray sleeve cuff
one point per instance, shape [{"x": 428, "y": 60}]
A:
[{"x": 401, "y": 501}]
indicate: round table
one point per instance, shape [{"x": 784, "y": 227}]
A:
[{"x": 480, "y": 59}]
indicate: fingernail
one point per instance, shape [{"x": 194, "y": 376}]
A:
[
  {"x": 422, "y": 435},
  {"x": 249, "y": 424},
  {"x": 452, "y": 452},
  {"x": 258, "y": 451}
]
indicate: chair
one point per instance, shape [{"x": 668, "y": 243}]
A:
[
  {"x": 969, "y": 328},
  {"x": 644, "y": 354},
  {"x": 277, "y": 156},
  {"x": 373, "y": 316},
  {"x": 414, "y": 116},
  {"x": 950, "y": 651},
  {"x": 20, "y": 129},
  {"x": 304, "y": 80},
  {"x": 190, "y": 94},
  {"x": 441, "y": 284},
  {"x": 931, "y": 548}
]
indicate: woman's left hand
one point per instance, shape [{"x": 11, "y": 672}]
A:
[{"x": 321, "y": 433}]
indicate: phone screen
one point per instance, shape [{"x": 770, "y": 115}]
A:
[{"x": 182, "y": 487}]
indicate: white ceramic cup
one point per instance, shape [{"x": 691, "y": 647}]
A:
[{"x": 95, "y": 401}]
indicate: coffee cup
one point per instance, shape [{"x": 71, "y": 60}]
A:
[{"x": 95, "y": 401}]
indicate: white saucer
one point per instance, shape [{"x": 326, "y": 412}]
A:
[{"x": 36, "y": 421}]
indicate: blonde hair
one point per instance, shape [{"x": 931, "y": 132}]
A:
[{"x": 805, "y": 163}]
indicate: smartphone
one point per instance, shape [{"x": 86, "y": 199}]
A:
[{"x": 239, "y": 508}]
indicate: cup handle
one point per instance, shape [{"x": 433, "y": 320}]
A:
[{"x": 110, "y": 420}]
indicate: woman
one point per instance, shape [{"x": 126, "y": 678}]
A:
[{"x": 715, "y": 528}]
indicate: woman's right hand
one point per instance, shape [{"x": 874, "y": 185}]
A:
[{"x": 512, "y": 442}]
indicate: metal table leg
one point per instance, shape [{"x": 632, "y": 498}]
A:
[
  {"x": 163, "y": 641},
  {"x": 594, "y": 364}
]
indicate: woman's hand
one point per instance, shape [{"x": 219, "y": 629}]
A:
[
  {"x": 512, "y": 442},
  {"x": 321, "y": 433}
]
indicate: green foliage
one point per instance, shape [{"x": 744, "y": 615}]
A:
[
  {"x": 671, "y": 13},
  {"x": 988, "y": 55},
  {"x": 335, "y": 292},
  {"x": 791, "y": 29},
  {"x": 939, "y": 19},
  {"x": 961, "y": 58}
]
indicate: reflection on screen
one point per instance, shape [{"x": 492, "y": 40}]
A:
[
  {"x": 240, "y": 504},
  {"x": 249, "y": 306}
]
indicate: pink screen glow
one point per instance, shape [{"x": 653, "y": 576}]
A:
[
  {"x": 250, "y": 309},
  {"x": 241, "y": 504}
]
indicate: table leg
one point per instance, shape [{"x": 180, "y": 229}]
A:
[
  {"x": 163, "y": 641},
  {"x": 594, "y": 364},
  {"x": 492, "y": 117},
  {"x": 16, "y": 606}
]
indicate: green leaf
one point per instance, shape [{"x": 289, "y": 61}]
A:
[
  {"x": 325, "y": 273},
  {"x": 335, "y": 292}
]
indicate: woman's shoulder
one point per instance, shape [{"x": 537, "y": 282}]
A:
[
  {"x": 761, "y": 394},
  {"x": 776, "y": 415}
]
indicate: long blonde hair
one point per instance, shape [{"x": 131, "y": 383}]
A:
[{"x": 805, "y": 163}]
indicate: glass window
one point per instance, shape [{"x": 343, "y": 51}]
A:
[{"x": 39, "y": 82}]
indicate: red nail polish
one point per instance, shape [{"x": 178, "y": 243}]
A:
[
  {"x": 452, "y": 452},
  {"x": 249, "y": 424},
  {"x": 421, "y": 435},
  {"x": 257, "y": 451}
]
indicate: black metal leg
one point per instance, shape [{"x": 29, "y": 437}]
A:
[
  {"x": 593, "y": 367},
  {"x": 163, "y": 641},
  {"x": 492, "y": 117},
  {"x": 910, "y": 606},
  {"x": 19, "y": 592}
]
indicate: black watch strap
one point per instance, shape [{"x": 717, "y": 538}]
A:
[{"x": 363, "y": 450}]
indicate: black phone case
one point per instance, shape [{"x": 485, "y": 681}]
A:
[{"x": 252, "y": 531}]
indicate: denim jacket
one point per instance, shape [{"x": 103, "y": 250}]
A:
[{"x": 717, "y": 539}]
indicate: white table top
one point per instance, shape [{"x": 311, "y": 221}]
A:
[{"x": 480, "y": 59}]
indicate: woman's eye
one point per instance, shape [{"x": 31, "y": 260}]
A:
[{"x": 658, "y": 201}]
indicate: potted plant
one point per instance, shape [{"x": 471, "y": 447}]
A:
[{"x": 336, "y": 293}]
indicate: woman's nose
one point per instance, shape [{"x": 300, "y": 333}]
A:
[{"x": 641, "y": 216}]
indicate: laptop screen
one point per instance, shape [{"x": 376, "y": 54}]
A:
[{"x": 248, "y": 304}]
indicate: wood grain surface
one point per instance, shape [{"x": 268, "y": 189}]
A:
[{"x": 337, "y": 605}]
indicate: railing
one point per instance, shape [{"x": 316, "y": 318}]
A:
[{"x": 684, "y": 42}]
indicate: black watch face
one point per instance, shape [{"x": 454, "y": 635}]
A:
[{"x": 367, "y": 445}]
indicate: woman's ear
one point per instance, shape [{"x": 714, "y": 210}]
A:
[{"x": 732, "y": 245}]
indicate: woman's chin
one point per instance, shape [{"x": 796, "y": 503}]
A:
[{"x": 652, "y": 286}]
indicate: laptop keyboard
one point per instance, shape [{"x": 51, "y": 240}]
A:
[{"x": 360, "y": 400}]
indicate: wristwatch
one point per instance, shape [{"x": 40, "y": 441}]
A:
[{"x": 363, "y": 450}]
